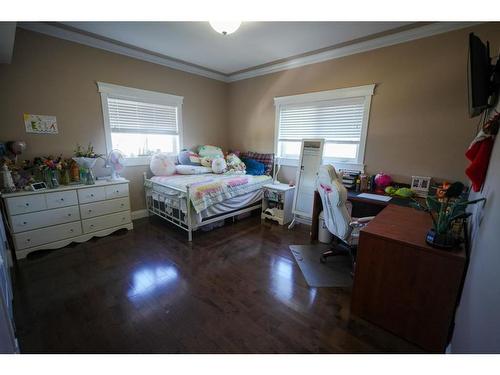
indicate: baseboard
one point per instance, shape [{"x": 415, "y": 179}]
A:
[{"x": 139, "y": 214}]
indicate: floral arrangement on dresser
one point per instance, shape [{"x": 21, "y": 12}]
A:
[{"x": 52, "y": 170}]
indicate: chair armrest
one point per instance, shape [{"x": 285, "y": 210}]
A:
[
  {"x": 366, "y": 219},
  {"x": 361, "y": 221}
]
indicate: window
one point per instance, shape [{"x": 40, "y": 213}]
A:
[
  {"x": 340, "y": 117},
  {"x": 140, "y": 123}
]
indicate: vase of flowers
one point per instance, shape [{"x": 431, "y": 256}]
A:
[
  {"x": 48, "y": 167},
  {"x": 64, "y": 172},
  {"x": 86, "y": 160},
  {"x": 445, "y": 209}
]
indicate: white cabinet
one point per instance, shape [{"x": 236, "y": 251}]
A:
[
  {"x": 54, "y": 218},
  {"x": 277, "y": 203}
]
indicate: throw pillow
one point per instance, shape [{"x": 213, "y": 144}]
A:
[
  {"x": 254, "y": 167},
  {"x": 162, "y": 165}
]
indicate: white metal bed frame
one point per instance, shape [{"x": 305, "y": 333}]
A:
[{"x": 173, "y": 212}]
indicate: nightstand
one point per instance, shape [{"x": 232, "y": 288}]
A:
[{"x": 277, "y": 203}]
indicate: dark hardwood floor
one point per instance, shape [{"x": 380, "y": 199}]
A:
[{"x": 235, "y": 289}]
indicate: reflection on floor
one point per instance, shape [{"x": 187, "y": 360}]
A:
[{"x": 236, "y": 289}]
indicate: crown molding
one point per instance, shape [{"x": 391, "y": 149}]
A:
[
  {"x": 90, "y": 40},
  {"x": 80, "y": 37},
  {"x": 335, "y": 53}
]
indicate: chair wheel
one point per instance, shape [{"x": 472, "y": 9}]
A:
[{"x": 322, "y": 259}]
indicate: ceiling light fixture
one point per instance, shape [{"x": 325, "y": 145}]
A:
[{"x": 225, "y": 27}]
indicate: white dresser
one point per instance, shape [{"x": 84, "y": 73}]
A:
[{"x": 53, "y": 218}]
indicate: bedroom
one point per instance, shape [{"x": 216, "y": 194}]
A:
[{"x": 234, "y": 285}]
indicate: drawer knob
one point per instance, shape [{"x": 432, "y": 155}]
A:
[
  {"x": 91, "y": 225},
  {"x": 71, "y": 230},
  {"x": 118, "y": 191},
  {"x": 27, "y": 204},
  {"x": 90, "y": 210},
  {"x": 24, "y": 223},
  {"x": 62, "y": 199},
  {"x": 91, "y": 195},
  {"x": 69, "y": 214},
  {"x": 28, "y": 239}
]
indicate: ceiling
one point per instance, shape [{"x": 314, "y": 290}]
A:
[
  {"x": 256, "y": 48},
  {"x": 253, "y": 44}
]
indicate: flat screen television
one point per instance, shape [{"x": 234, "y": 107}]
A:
[{"x": 479, "y": 74}]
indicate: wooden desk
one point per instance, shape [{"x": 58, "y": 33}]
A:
[
  {"x": 402, "y": 284},
  {"x": 361, "y": 207}
]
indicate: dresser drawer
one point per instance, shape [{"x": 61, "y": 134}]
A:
[
  {"x": 21, "y": 223},
  {"x": 105, "y": 222},
  {"x": 51, "y": 234},
  {"x": 94, "y": 194},
  {"x": 105, "y": 207},
  {"x": 61, "y": 199},
  {"x": 25, "y": 204},
  {"x": 116, "y": 191}
]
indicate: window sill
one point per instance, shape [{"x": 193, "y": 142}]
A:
[
  {"x": 137, "y": 161},
  {"x": 289, "y": 162}
]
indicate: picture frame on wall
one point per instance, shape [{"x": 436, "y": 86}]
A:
[
  {"x": 420, "y": 185},
  {"x": 40, "y": 124}
]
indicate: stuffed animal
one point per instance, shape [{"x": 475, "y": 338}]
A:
[
  {"x": 219, "y": 165},
  {"x": 401, "y": 192},
  {"x": 234, "y": 164},
  {"x": 210, "y": 151},
  {"x": 187, "y": 157},
  {"x": 162, "y": 165},
  {"x": 206, "y": 161}
]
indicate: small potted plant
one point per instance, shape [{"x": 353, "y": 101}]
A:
[
  {"x": 86, "y": 159},
  {"x": 445, "y": 209}
]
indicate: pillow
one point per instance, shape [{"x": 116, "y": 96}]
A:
[
  {"x": 219, "y": 165},
  {"x": 187, "y": 157},
  {"x": 161, "y": 164},
  {"x": 266, "y": 159},
  {"x": 254, "y": 167},
  {"x": 192, "y": 169},
  {"x": 210, "y": 151},
  {"x": 206, "y": 161}
]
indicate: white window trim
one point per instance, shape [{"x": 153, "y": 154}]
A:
[
  {"x": 365, "y": 91},
  {"x": 124, "y": 92}
]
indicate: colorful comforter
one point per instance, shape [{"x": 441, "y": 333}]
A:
[{"x": 207, "y": 189}]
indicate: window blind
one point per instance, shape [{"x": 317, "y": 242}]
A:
[
  {"x": 337, "y": 121},
  {"x": 127, "y": 116}
]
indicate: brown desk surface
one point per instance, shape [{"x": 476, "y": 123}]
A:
[
  {"x": 406, "y": 225},
  {"x": 401, "y": 283}
]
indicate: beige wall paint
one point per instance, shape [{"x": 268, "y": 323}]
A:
[
  {"x": 418, "y": 120},
  {"x": 55, "y": 77}
]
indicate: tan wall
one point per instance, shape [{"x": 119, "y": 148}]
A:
[
  {"x": 418, "y": 123},
  {"x": 54, "y": 77}
]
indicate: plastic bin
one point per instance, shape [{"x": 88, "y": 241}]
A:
[{"x": 324, "y": 234}]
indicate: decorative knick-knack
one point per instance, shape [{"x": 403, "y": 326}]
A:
[
  {"x": 7, "y": 181},
  {"x": 75, "y": 172}
]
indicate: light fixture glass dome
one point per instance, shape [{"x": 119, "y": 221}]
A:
[{"x": 225, "y": 27}]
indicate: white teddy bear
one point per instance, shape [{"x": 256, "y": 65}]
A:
[{"x": 219, "y": 165}]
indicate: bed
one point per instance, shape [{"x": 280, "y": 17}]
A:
[{"x": 193, "y": 201}]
